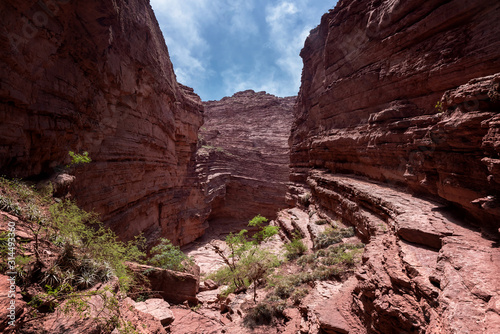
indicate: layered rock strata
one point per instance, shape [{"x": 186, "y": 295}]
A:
[
  {"x": 396, "y": 133},
  {"x": 96, "y": 76},
  {"x": 243, "y": 157},
  {"x": 425, "y": 270},
  {"x": 373, "y": 74}
]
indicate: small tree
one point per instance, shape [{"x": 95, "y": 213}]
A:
[
  {"x": 266, "y": 232},
  {"x": 167, "y": 256},
  {"x": 246, "y": 262}
]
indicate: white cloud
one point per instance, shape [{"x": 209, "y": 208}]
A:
[
  {"x": 241, "y": 19},
  {"x": 182, "y": 23},
  {"x": 275, "y": 28},
  {"x": 260, "y": 79},
  {"x": 289, "y": 25},
  {"x": 277, "y": 14},
  {"x": 287, "y": 39}
]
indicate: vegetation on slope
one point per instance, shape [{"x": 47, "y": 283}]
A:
[{"x": 65, "y": 251}]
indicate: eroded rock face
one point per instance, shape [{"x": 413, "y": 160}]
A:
[
  {"x": 418, "y": 179},
  {"x": 96, "y": 76},
  {"x": 243, "y": 157},
  {"x": 173, "y": 286},
  {"x": 373, "y": 74}
]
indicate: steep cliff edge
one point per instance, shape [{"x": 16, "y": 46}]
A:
[
  {"x": 373, "y": 73},
  {"x": 96, "y": 76},
  {"x": 418, "y": 179},
  {"x": 243, "y": 157}
]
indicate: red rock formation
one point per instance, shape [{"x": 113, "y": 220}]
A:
[
  {"x": 369, "y": 133},
  {"x": 96, "y": 76},
  {"x": 244, "y": 155},
  {"x": 373, "y": 72},
  {"x": 173, "y": 286}
]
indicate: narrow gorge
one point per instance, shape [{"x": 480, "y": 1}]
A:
[
  {"x": 243, "y": 156},
  {"x": 392, "y": 146}
]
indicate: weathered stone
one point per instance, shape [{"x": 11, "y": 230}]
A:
[
  {"x": 369, "y": 132},
  {"x": 173, "y": 286},
  {"x": 243, "y": 158},
  {"x": 209, "y": 285},
  {"x": 158, "y": 308},
  {"x": 96, "y": 76},
  {"x": 372, "y": 77},
  {"x": 97, "y": 318}
]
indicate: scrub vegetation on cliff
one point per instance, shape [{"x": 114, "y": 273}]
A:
[
  {"x": 62, "y": 251},
  {"x": 67, "y": 261}
]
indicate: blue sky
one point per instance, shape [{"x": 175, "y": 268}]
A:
[{"x": 220, "y": 47}]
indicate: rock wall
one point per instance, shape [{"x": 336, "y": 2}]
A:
[
  {"x": 96, "y": 76},
  {"x": 243, "y": 157},
  {"x": 396, "y": 133},
  {"x": 373, "y": 74}
]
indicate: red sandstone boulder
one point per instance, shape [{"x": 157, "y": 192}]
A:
[{"x": 173, "y": 286}]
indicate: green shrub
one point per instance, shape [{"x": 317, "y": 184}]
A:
[
  {"x": 326, "y": 272},
  {"x": 77, "y": 159},
  {"x": 9, "y": 205},
  {"x": 305, "y": 199},
  {"x": 439, "y": 107},
  {"x": 332, "y": 236},
  {"x": 284, "y": 289},
  {"x": 295, "y": 248},
  {"x": 263, "y": 314},
  {"x": 246, "y": 262},
  {"x": 265, "y": 231},
  {"x": 167, "y": 256},
  {"x": 298, "y": 295},
  {"x": 306, "y": 259},
  {"x": 82, "y": 230},
  {"x": 321, "y": 222}
]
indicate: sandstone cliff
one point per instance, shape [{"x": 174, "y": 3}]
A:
[
  {"x": 375, "y": 148},
  {"x": 243, "y": 157},
  {"x": 373, "y": 72},
  {"x": 96, "y": 76}
]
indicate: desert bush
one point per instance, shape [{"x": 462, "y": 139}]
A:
[
  {"x": 305, "y": 199},
  {"x": 294, "y": 248},
  {"x": 298, "y": 295},
  {"x": 246, "y": 262},
  {"x": 167, "y": 256},
  {"x": 9, "y": 205},
  {"x": 263, "y": 314},
  {"x": 77, "y": 159},
  {"x": 82, "y": 230},
  {"x": 332, "y": 236}
]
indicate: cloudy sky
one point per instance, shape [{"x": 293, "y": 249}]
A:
[{"x": 220, "y": 47}]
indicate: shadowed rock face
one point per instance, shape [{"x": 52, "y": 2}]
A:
[
  {"x": 373, "y": 73},
  {"x": 375, "y": 150},
  {"x": 96, "y": 76},
  {"x": 244, "y": 156}
]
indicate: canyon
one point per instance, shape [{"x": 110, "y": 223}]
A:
[
  {"x": 243, "y": 157},
  {"x": 394, "y": 132}
]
